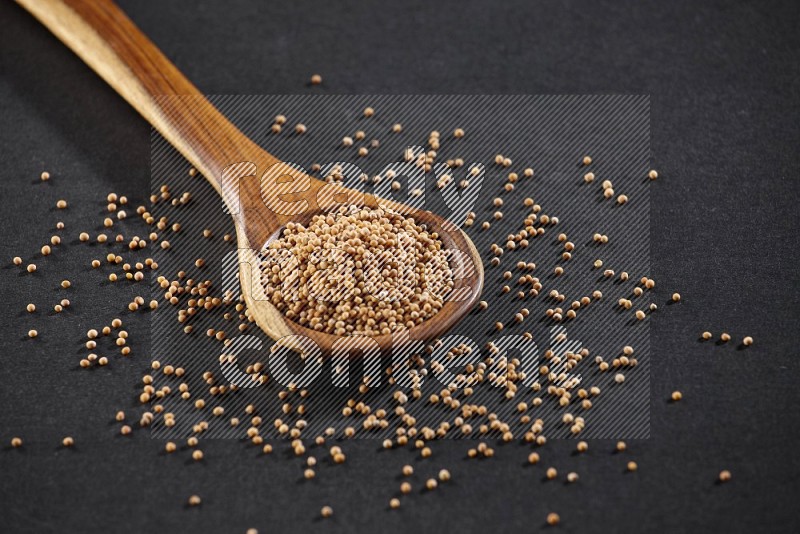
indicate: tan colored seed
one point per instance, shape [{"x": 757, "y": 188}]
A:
[
  {"x": 632, "y": 466},
  {"x": 16, "y": 442},
  {"x": 194, "y": 500},
  {"x": 553, "y": 519},
  {"x": 326, "y": 511},
  {"x": 197, "y": 455},
  {"x": 652, "y": 174},
  {"x": 32, "y": 333},
  {"x": 676, "y": 396},
  {"x": 394, "y": 503},
  {"x": 725, "y": 337},
  {"x": 68, "y": 441},
  {"x": 724, "y": 476},
  {"x": 61, "y": 204},
  {"x": 31, "y": 268},
  {"x": 316, "y": 79},
  {"x": 369, "y": 112},
  {"x": 676, "y": 297},
  {"x": 587, "y": 160}
]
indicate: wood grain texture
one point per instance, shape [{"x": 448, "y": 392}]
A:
[{"x": 103, "y": 37}]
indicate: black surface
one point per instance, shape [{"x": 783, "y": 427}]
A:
[{"x": 723, "y": 81}]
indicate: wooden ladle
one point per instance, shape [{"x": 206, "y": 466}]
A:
[{"x": 103, "y": 36}]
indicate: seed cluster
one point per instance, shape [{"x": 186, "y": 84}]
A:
[
  {"x": 369, "y": 236},
  {"x": 394, "y": 273}
]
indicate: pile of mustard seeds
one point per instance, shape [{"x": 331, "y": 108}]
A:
[{"x": 358, "y": 270}]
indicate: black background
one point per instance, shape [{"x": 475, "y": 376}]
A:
[{"x": 723, "y": 79}]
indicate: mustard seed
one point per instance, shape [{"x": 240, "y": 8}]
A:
[
  {"x": 652, "y": 174},
  {"x": 747, "y": 341},
  {"x": 31, "y": 268},
  {"x": 61, "y": 204},
  {"x": 676, "y": 396},
  {"x": 431, "y": 484},
  {"x": 16, "y": 442},
  {"x": 32, "y": 333},
  {"x": 724, "y": 476},
  {"x": 369, "y": 112},
  {"x": 553, "y": 519},
  {"x": 444, "y": 475},
  {"x": 725, "y": 337},
  {"x": 632, "y": 466},
  {"x": 394, "y": 503},
  {"x": 326, "y": 511},
  {"x": 316, "y": 79},
  {"x": 587, "y": 160},
  {"x": 68, "y": 441},
  {"x": 676, "y": 297},
  {"x": 31, "y": 308},
  {"x": 194, "y": 500}
]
